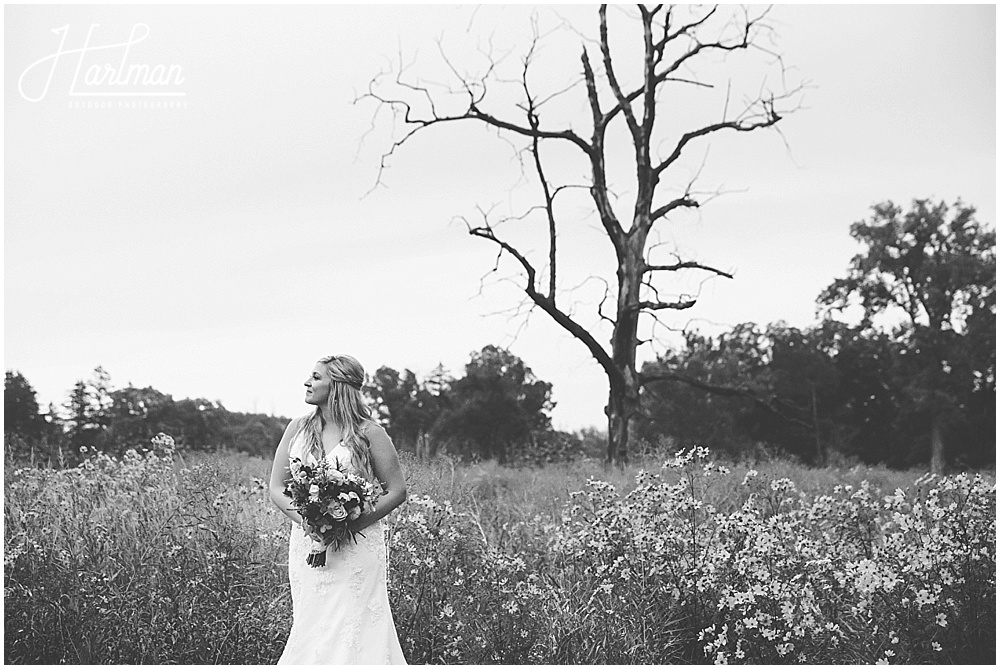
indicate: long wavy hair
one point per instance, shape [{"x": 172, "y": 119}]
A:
[{"x": 347, "y": 408}]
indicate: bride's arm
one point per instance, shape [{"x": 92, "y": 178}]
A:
[
  {"x": 280, "y": 475},
  {"x": 385, "y": 466}
]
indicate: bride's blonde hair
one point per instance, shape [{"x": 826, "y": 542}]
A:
[{"x": 347, "y": 407}]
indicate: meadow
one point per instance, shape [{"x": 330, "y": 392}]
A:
[{"x": 154, "y": 558}]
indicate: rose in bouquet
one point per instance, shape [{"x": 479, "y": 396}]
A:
[{"x": 327, "y": 498}]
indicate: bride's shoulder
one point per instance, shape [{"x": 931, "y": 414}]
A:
[
  {"x": 372, "y": 429},
  {"x": 295, "y": 425},
  {"x": 297, "y": 422}
]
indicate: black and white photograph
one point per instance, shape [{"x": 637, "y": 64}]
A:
[{"x": 518, "y": 334}]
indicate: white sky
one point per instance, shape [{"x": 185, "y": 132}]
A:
[{"x": 218, "y": 249}]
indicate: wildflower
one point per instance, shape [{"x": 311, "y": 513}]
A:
[
  {"x": 936, "y": 646},
  {"x": 942, "y": 620}
]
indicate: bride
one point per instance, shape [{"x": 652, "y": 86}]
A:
[{"x": 340, "y": 612}]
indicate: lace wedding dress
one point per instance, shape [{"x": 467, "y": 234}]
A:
[{"x": 340, "y": 612}]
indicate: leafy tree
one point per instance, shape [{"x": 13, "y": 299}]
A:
[
  {"x": 20, "y": 408},
  {"x": 432, "y": 400},
  {"x": 859, "y": 409},
  {"x": 928, "y": 276},
  {"x": 137, "y": 414},
  {"x": 621, "y": 105},
  {"x": 392, "y": 394},
  {"x": 407, "y": 407},
  {"x": 496, "y": 407},
  {"x": 723, "y": 392},
  {"x": 100, "y": 390},
  {"x": 200, "y": 423},
  {"x": 439, "y": 381},
  {"x": 257, "y": 434},
  {"x": 80, "y": 418},
  {"x": 686, "y": 412},
  {"x": 89, "y": 408},
  {"x": 805, "y": 380}
]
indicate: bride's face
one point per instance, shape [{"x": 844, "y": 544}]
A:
[{"x": 318, "y": 385}]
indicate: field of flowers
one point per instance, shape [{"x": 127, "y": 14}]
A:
[{"x": 150, "y": 559}]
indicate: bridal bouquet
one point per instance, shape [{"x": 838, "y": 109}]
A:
[{"x": 327, "y": 499}]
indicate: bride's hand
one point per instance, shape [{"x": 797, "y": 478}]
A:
[{"x": 362, "y": 522}]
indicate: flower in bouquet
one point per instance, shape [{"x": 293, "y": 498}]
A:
[{"x": 327, "y": 499}]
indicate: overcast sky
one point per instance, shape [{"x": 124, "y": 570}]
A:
[{"x": 216, "y": 243}]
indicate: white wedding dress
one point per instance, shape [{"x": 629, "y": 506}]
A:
[{"x": 340, "y": 612}]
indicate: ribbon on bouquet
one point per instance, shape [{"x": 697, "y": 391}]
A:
[{"x": 317, "y": 551}]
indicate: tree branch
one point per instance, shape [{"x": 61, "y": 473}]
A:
[
  {"x": 686, "y": 265},
  {"x": 609, "y": 71},
  {"x": 475, "y": 113},
  {"x": 660, "y": 212},
  {"x": 657, "y": 306},
  {"x": 770, "y": 118},
  {"x": 548, "y": 305},
  {"x": 658, "y": 48},
  {"x": 533, "y": 121},
  {"x": 599, "y": 189}
]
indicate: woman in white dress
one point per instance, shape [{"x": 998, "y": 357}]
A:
[{"x": 340, "y": 612}]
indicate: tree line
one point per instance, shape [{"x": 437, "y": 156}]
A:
[
  {"x": 909, "y": 380},
  {"x": 96, "y": 415},
  {"x": 497, "y": 410}
]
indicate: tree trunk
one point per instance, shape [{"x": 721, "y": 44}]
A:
[
  {"x": 619, "y": 422},
  {"x": 937, "y": 446},
  {"x": 622, "y": 406},
  {"x": 623, "y": 401}
]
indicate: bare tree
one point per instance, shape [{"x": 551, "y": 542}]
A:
[{"x": 673, "y": 40}]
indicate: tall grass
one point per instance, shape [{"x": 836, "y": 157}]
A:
[
  {"x": 139, "y": 561},
  {"x": 149, "y": 560}
]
